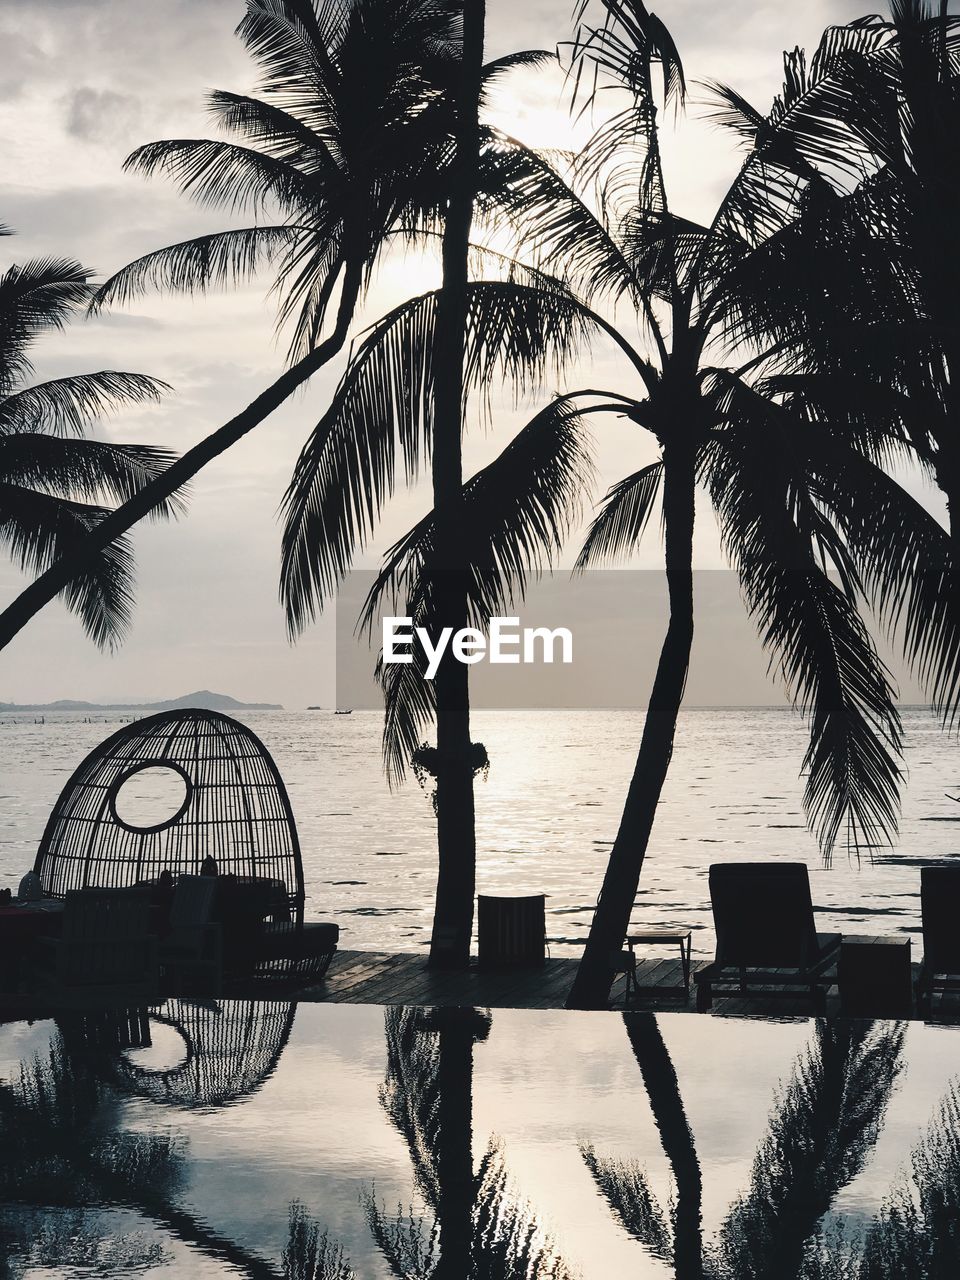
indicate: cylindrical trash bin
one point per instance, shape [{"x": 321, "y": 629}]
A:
[{"x": 511, "y": 931}]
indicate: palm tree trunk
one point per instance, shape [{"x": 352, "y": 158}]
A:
[
  {"x": 591, "y": 986},
  {"x": 456, "y": 836},
  {"x": 50, "y": 583}
]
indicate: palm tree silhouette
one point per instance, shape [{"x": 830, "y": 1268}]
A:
[
  {"x": 823, "y": 1126},
  {"x": 344, "y": 143},
  {"x": 788, "y": 493},
  {"x": 916, "y": 1233},
  {"x": 874, "y": 116},
  {"x": 783, "y": 492},
  {"x": 55, "y": 479}
]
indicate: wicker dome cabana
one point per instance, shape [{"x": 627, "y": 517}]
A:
[{"x": 235, "y": 809}]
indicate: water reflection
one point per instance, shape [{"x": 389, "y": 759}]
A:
[
  {"x": 822, "y": 1127},
  {"x": 66, "y": 1163},
  {"x": 201, "y": 1139}
]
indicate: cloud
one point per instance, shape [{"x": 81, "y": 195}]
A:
[
  {"x": 100, "y": 115},
  {"x": 22, "y": 60}
]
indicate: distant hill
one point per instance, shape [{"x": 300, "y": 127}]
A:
[{"x": 202, "y": 698}]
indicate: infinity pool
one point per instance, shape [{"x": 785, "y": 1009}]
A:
[{"x": 266, "y": 1139}]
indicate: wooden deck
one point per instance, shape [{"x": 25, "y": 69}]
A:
[
  {"x": 373, "y": 977},
  {"x": 384, "y": 978}
]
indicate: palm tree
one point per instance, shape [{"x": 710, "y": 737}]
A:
[
  {"x": 915, "y": 1234},
  {"x": 824, "y": 1124},
  {"x": 456, "y": 833},
  {"x": 55, "y": 481},
  {"x": 344, "y": 145},
  {"x": 875, "y": 115},
  {"x": 797, "y": 501},
  {"x": 789, "y": 491},
  {"x": 404, "y": 393}
]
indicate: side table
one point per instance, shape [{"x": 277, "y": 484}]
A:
[{"x": 658, "y": 938}]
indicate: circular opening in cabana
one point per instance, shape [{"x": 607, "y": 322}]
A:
[{"x": 150, "y": 797}]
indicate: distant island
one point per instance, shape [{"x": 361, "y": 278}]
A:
[{"x": 203, "y": 698}]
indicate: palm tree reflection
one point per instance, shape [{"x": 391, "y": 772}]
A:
[
  {"x": 64, "y": 1165},
  {"x": 67, "y": 1168},
  {"x": 824, "y": 1123},
  {"x": 474, "y": 1226},
  {"x": 917, "y": 1233}
]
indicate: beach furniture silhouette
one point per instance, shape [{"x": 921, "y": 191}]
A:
[
  {"x": 105, "y": 946},
  {"x": 230, "y": 815},
  {"x": 767, "y": 941},
  {"x": 939, "y": 905},
  {"x": 192, "y": 946}
]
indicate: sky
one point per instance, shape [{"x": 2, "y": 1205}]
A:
[{"x": 82, "y": 83}]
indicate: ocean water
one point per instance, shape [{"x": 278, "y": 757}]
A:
[{"x": 546, "y": 816}]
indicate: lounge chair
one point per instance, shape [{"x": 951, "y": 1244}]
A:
[
  {"x": 766, "y": 934},
  {"x": 105, "y": 946},
  {"x": 291, "y": 951},
  {"x": 192, "y": 948},
  {"x": 940, "y": 906},
  {"x": 264, "y": 938}
]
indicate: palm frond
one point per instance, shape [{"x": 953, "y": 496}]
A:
[
  {"x": 91, "y": 470},
  {"x": 532, "y": 59},
  {"x": 410, "y": 706},
  {"x": 41, "y": 294},
  {"x": 291, "y": 40},
  {"x": 783, "y": 548},
  {"x": 67, "y": 406},
  {"x": 282, "y": 135},
  {"x": 625, "y": 1187},
  {"x": 907, "y": 564},
  {"x": 311, "y": 1254},
  {"x": 225, "y": 174},
  {"x": 517, "y": 513},
  {"x": 731, "y": 110},
  {"x": 348, "y": 466},
  {"x": 822, "y": 1129},
  {"x": 346, "y": 469},
  {"x": 619, "y": 525},
  {"x": 193, "y": 266},
  {"x": 508, "y": 1241},
  {"x": 38, "y": 529},
  {"x": 915, "y": 1234},
  {"x": 523, "y": 190},
  {"x": 623, "y": 156}
]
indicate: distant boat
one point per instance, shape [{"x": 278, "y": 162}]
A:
[{"x": 348, "y": 712}]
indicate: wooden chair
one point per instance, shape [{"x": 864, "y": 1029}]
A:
[
  {"x": 192, "y": 949},
  {"x": 105, "y": 946},
  {"x": 766, "y": 935},
  {"x": 939, "y": 905}
]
